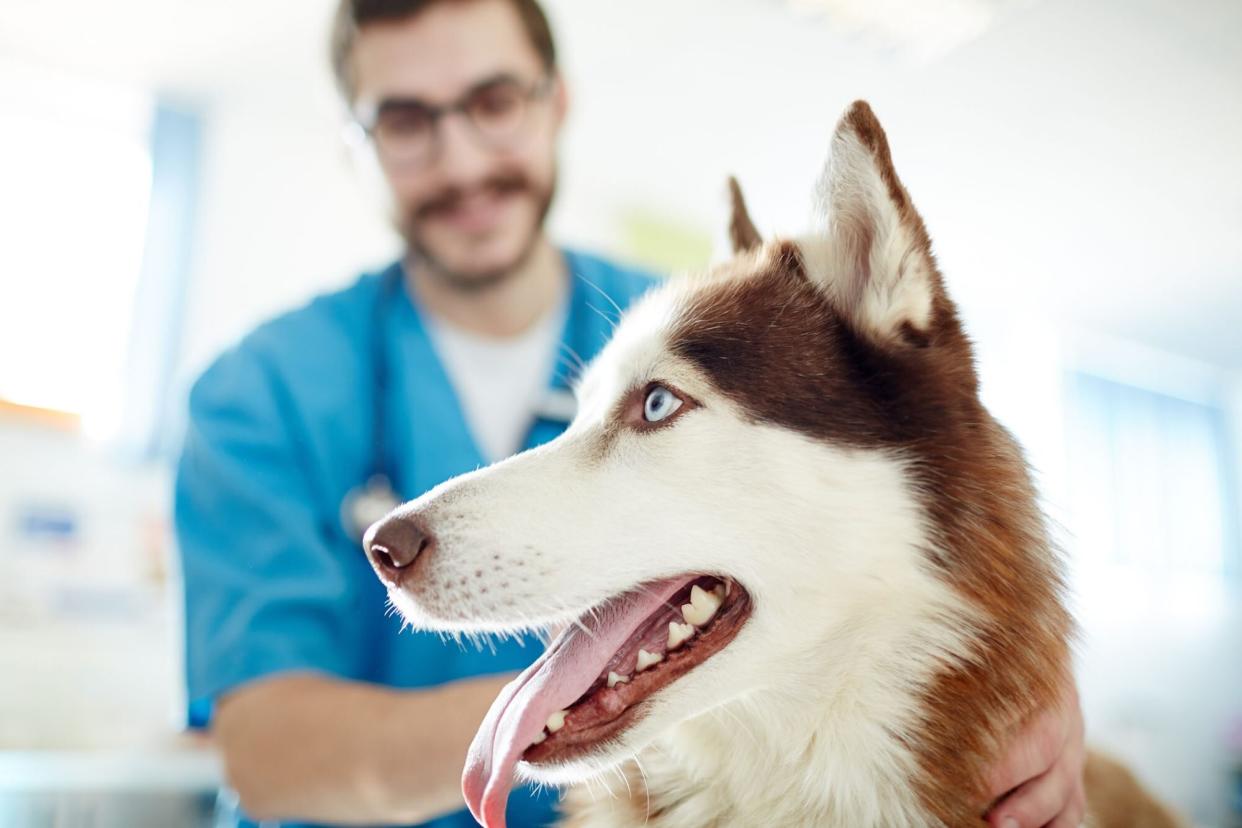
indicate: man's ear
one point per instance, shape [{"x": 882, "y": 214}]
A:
[
  {"x": 871, "y": 253},
  {"x": 742, "y": 230}
]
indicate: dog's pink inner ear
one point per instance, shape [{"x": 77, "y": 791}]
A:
[
  {"x": 873, "y": 257},
  {"x": 742, "y": 230}
]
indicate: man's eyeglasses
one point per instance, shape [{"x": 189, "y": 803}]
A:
[{"x": 406, "y": 131}]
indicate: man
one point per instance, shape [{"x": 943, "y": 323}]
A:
[{"x": 444, "y": 361}]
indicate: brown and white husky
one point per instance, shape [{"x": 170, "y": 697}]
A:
[{"x": 803, "y": 574}]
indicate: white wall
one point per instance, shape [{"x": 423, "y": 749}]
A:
[{"x": 282, "y": 217}]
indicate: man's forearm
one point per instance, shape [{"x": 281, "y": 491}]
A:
[{"x": 311, "y": 747}]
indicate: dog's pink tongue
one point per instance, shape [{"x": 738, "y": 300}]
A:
[{"x": 558, "y": 679}]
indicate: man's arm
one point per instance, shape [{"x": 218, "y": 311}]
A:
[{"x": 312, "y": 747}]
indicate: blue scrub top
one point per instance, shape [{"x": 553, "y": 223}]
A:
[{"x": 279, "y": 432}]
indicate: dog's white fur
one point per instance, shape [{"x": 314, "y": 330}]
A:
[{"x": 870, "y": 258}]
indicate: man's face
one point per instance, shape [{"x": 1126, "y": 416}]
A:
[{"x": 471, "y": 209}]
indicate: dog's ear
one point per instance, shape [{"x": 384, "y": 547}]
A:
[
  {"x": 742, "y": 230},
  {"x": 872, "y": 254}
]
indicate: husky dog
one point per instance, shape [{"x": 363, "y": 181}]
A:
[{"x": 801, "y": 570}]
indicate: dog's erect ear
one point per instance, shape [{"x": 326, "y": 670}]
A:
[
  {"x": 873, "y": 255},
  {"x": 742, "y": 230}
]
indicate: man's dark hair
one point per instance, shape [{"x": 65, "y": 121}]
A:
[{"x": 351, "y": 15}]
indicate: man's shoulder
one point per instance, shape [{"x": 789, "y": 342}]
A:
[
  {"x": 325, "y": 337},
  {"x": 338, "y": 317},
  {"x": 622, "y": 282}
]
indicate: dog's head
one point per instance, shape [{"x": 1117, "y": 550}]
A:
[{"x": 740, "y": 504}]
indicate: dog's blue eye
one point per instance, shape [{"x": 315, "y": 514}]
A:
[{"x": 660, "y": 403}]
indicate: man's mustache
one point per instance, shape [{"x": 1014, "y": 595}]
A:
[{"x": 450, "y": 198}]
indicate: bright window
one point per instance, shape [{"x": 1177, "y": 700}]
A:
[
  {"x": 1151, "y": 482},
  {"x": 76, "y": 173}
]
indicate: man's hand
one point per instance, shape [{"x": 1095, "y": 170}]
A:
[{"x": 1040, "y": 775}]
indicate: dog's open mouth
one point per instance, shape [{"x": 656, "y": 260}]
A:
[
  {"x": 592, "y": 682},
  {"x": 684, "y": 632}
]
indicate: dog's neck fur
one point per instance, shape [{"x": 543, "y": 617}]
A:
[{"x": 836, "y": 761}]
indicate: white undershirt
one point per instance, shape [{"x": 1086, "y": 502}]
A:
[{"x": 500, "y": 382}]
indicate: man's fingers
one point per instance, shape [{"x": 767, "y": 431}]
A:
[
  {"x": 1043, "y": 800},
  {"x": 1042, "y": 742},
  {"x": 1072, "y": 816},
  {"x": 1031, "y": 755}
]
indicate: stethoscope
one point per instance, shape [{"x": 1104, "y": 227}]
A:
[{"x": 369, "y": 502}]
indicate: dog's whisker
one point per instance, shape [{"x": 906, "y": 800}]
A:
[
  {"x": 612, "y": 322},
  {"x": 642, "y": 772},
  {"x": 583, "y": 627},
  {"x": 577, "y": 275},
  {"x": 568, "y": 352},
  {"x": 589, "y": 782},
  {"x": 617, "y": 769},
  {"x": 569, "y": 366}
]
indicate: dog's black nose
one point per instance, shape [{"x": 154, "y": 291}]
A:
[{"x": 394, "y": 544}]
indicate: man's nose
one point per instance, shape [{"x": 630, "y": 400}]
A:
[
  {"x": 394, "y": 544},
  {"x": 461, "y": 155}
]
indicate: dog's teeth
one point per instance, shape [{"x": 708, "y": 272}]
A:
[
  {"x": 700, "y": 597},
  {"x": 678, "y": 634},
  {"x": 556, "y": 721},
  {"x": 543, "y": 734},
  {"x": 702, "y": 606},
  {"x": 614, "y": 679},
  {"x": 646, "y": 659},
  {"x": 720, "y": 591}
]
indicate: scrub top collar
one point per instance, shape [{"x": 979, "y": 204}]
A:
[{"x": 426, "y": 424}]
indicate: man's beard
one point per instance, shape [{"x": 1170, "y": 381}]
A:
[{"x": 506, "y": 184}]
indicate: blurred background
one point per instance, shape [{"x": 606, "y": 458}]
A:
[{"x": 173, "y": 172}]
